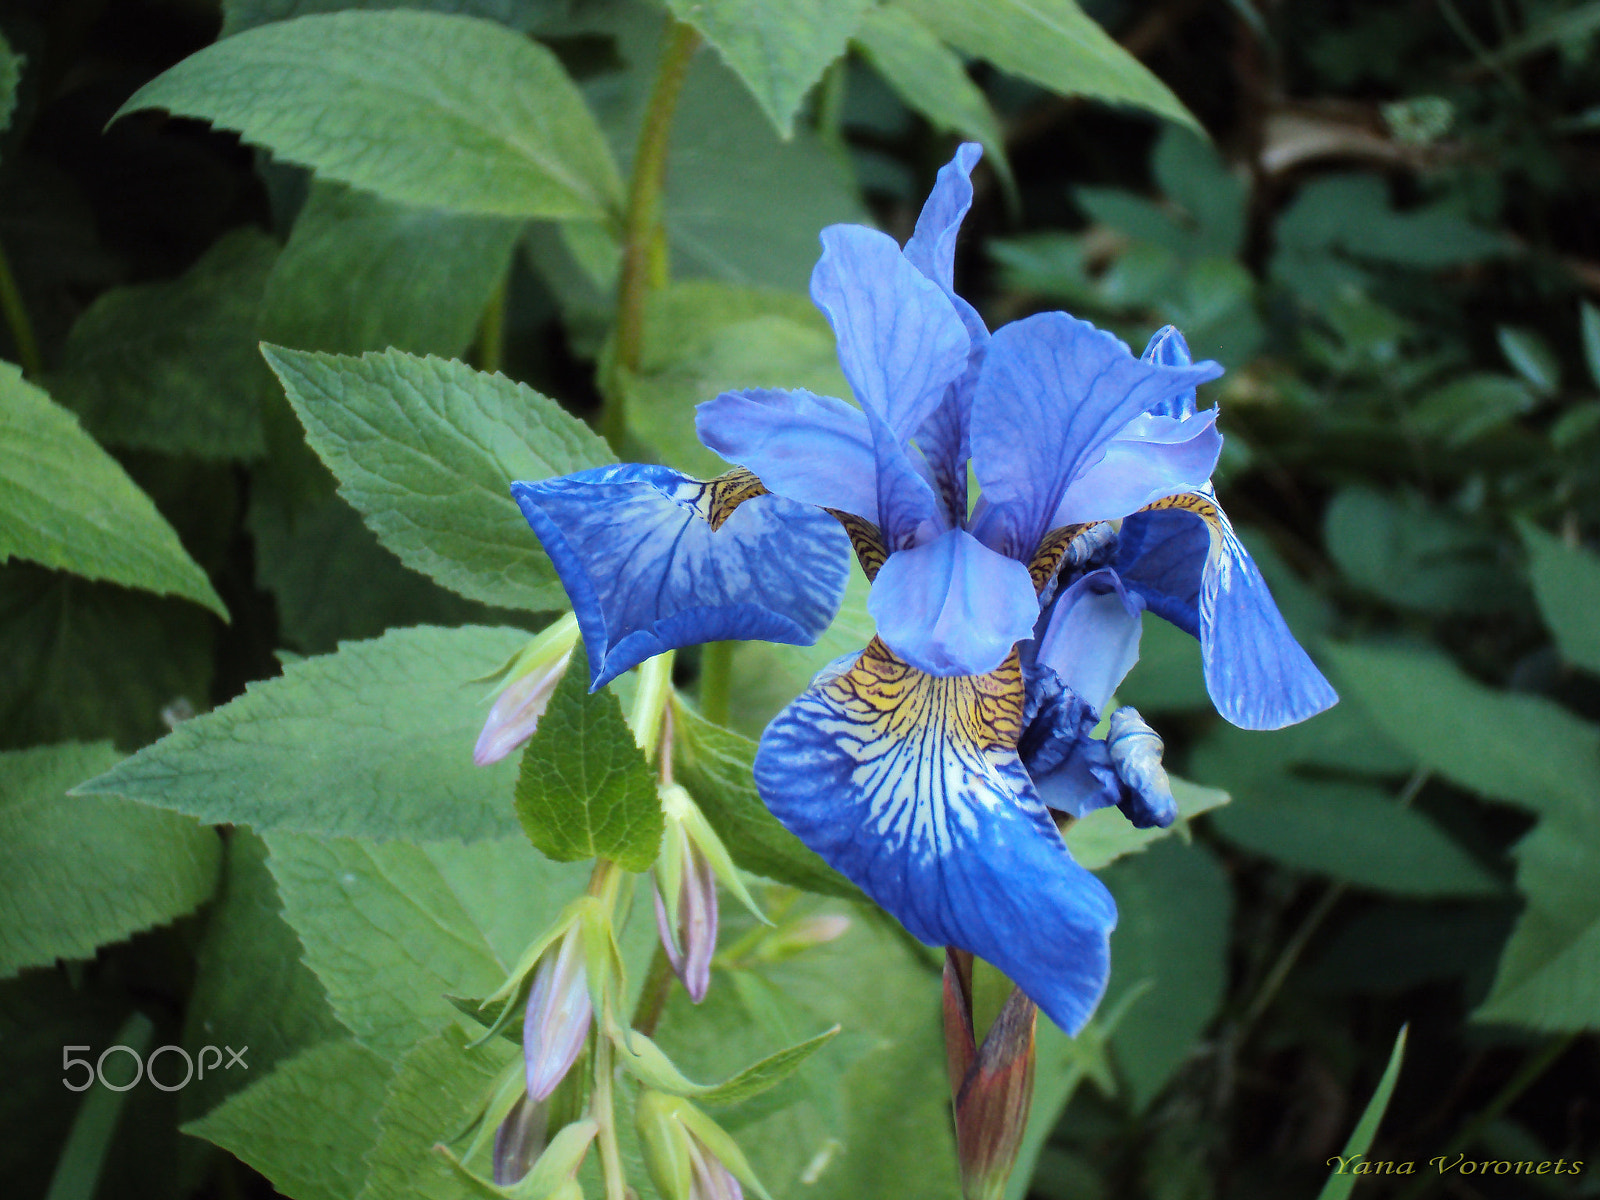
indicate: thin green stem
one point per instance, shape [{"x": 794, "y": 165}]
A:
[
  {"x": 716, "y": 681},
  {"x": 602, "y": 1106},
  {"x": 830, "y": 111},
  {"x": 1485, "y": 58},
  {"x": 492, "y": 330},
  {"x": 642, "y": 221},
  {"x": 653, "y": 995},
  {"x": 1536, "y": 1065},
  {"x": 17, "y": 321}
]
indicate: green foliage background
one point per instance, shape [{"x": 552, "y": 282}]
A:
[{"x": 254, "y": 594}]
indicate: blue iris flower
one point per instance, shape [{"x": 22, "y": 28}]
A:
[{"x": 926, "y": 768}]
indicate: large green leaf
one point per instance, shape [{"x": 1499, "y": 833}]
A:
[
  {"x": 306, "y": 1125},
  {"x": 703, "y": 338},
  {"x": 585, "y": 790},
  {"x": 66, "y": 503},
  {"x": 521, "y": 15},
  {"x": 173, "y": 366},
  {"x": 436, "y": 1092},
  {"x": 427, "y": 450},
  {"x": 90, "y": 660},
  {"x": 1055, "y": 44},
  {"x": 79, "y": 871},
  {"x": 1355, "y": 834},
  {"x": 364, "y": 273},
  {"x": 374, "y": 741},
  {"x": 778, "y": 47},
  {"x": 1519, "y": 748},
  {"x": 391, "y": 929},
  {"x": 251, "y": 987},
  {"x": 715, "y": 764},
  {"x": 931, "y": 79},
  {"x": 1174, "y": 905},
  {"x": 1549, "y": 976},
  {"x": 1566, "y": 581},
  {"x": 424, "y": 108}
]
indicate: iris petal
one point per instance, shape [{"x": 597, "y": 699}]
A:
[
  {"x": 1053, "y": 393},
  {"x": 901, "y": 343},
  {"x": 1153, "y": 456},
  {"x": 646, "y": 572},
  {"x": 932, "y": 248},
  {"x": 1167, "y": 348},
  {"x": 1092, "y": 640},
  {"x": 952, "y": 606},
  {"x": 814, "y": 449},
  {"x": 1186, "y": 561},
  {"x": 911, "y": 786}
]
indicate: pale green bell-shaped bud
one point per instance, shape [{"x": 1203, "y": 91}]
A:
[
  {"x": 689, "y": 1156},
  {"x": 527, "y": 683}
]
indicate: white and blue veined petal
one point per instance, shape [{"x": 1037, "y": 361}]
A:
[
  {"x": 910, "y": 785},
  {"x": 653, "y": 560},
  {"x": 1184, "y": 558},
  {"x": 1053, "y": 393}
]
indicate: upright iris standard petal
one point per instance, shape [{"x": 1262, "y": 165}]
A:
[
  {"x": 1053, "y": 394},
  {"x": 901, "y": 343},
  {"x": 1092, "y": 639},
  {"x": 1167, "y": 348},
  {"x": 953, "y": 606},
  {"x": 653, "y": 560},
  {"x": 1184, "y": 558},
  {"x": 911, "y": 786},
  {"x": 814, "y": 449},
  {"x": 932, "y": 248}
]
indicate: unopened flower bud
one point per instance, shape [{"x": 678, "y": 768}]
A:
[
  {"x": 689, "y": 1156},
  {"x": 1135, "y": 750},
  {"x": 558, "y": 1015},
  {"x": 529, "y": 682},
  {"x": 691, "y": 862},
  {"x": 517, "y": 1139},
  {"x": 992, "y": 1084},
  {"x": 796, "y": 937}
]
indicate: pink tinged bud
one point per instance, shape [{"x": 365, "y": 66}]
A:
[
  {"x": 558, "y": 1015},
  {"x": 690, "y": 935},
  {"x": 517, "y": 710},
  {"x": 992, "y": 1084},
  {"x": 708, "y": 1178}
]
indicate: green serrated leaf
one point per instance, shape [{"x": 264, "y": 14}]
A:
[
  {"x": 1353, "y": 833},
  {"x": 424, "y": 108},
  {"x": 1519, "y": 748},
  {"x": 585, "y": 790},
  {"x": 715, "y": 765},
  {"x": 521, "y": 15},
  {"x": 1549, "y": 974},
  {"x": 173, "y": 366},
  {"x": 931, "y": 79},
  {"x": 82, "y": 660},
  {"x": 427, "y": 451},
  {"x": 307, "y": 1124},
  {"x": 66, "y": 503},
  {"x": 438, "y": 1088},
  {"x": 79, "y": 871},
  {"x": 1055, "y": 44},
  {"x": 778, "y": 48},
  {"x": 374, "y": 741},
  {"x": 391, "y": 929},
  {"x": 1105, "y": 835},
  {"x": 251, "y": 986},
  {"x": 363, "y": 273},
  {"x": 641, "y": 1056},
  {"x": 1566, "y": 581}
]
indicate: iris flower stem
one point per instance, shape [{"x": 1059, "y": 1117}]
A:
[
  {"x": 16, "y": 314},
  {"x": 641, "y": 222},
  {"x": 716, "y": 681}
]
